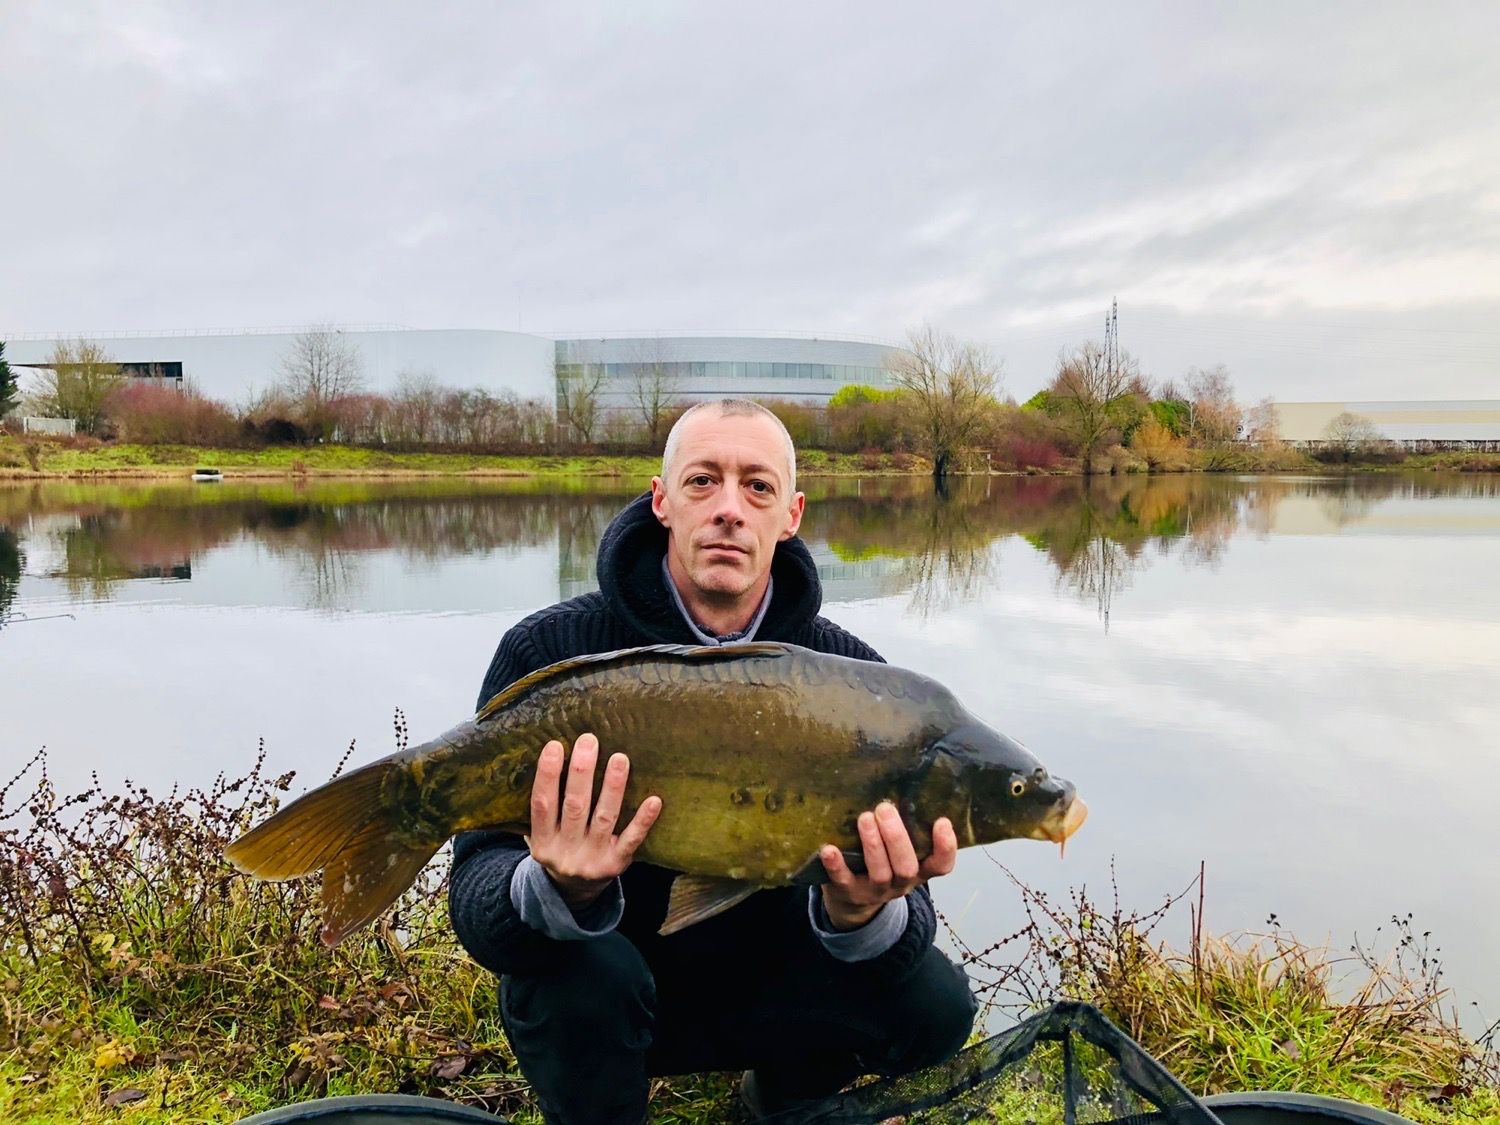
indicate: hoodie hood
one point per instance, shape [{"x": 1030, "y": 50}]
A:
[{"x": 630, "y": 577}]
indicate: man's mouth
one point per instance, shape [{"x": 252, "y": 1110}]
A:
[{"x": 725, "y": 547}]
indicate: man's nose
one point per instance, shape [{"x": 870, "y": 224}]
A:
[{"x": 729, "y": 510}]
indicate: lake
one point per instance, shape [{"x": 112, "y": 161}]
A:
[{"x": 1293, "y": 680}]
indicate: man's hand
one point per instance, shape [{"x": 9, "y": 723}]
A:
[
  {"x": 891, "y": 867},
  {"x": 581, "y": 854}
]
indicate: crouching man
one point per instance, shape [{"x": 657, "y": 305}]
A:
[{"x": 803, "y": 988}]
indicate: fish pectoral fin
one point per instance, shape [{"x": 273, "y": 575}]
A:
[{"x": 696, "y": 898}]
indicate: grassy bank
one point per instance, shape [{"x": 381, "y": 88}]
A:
[
  {"x": 85, "y": 458},
  {"x": 140, "y": 978},
  {"x": 34, "y": 458},
  {"x": 82, "y": 458}
]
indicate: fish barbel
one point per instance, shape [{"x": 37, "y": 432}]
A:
[{"x": 761, "y": 754}]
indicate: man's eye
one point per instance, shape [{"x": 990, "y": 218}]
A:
[
  {"x": 760, "y": 486},
  {"x": 699, "y": 480}
]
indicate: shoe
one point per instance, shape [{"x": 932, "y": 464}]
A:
[{"x": 759, "y": 1102}]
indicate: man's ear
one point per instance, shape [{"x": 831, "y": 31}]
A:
[
  {"x": 658, "y": 501},
  {"x": 794, "y": 517}
]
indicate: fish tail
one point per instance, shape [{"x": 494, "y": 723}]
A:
[{"x": 344, "y": 830}]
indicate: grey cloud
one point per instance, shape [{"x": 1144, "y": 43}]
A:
[{"x": 839, "y": 168}]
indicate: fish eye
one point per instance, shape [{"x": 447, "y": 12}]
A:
[{"x": 1017, "y": 787}]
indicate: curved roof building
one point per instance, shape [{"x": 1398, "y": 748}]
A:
[
  {"x": 693, "y": 368},
  {"x": 231, "y": 366}
]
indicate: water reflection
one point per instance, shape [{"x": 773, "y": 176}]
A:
[
  {"x": 1296, "y": 670},
  {"x": 870, "y": 537},
  {"x": 11, "y": 561}
]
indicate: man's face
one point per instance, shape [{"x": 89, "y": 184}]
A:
[{"x": 726, "y": 504}]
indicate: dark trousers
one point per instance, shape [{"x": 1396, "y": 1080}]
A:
[{"x": 589, "y": 1033}]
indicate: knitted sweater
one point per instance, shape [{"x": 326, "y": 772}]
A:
[{"x": 634, "y": 607}]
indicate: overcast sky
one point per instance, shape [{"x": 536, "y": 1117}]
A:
[{"x": 1308, "y": 193}]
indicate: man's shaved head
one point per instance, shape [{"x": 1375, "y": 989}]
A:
[{"x": 727, "y": 407}]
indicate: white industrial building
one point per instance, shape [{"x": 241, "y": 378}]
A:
[
  {"x": 233, "y": 366},
  {"x": 703, "y": 367},
  {"x": 1411, "y": 421}
]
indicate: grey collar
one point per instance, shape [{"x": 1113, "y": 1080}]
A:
[{"x": 745, "y": 634}]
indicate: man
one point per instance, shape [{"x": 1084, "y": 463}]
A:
[{"x": 804, "y": 988}]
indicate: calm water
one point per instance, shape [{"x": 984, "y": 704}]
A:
[{"x": 1295, "y": 680}]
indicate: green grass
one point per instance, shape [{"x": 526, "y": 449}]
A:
[
  {"x": 135, "y": 964},
  {"x": 1262, "y": 1011},
  {"x": 84, "y": 458},
  {"x": 88, "y": 458},
  {"x": 1448, "y": 463}
]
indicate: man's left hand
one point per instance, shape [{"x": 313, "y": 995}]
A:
[{"x": 891, "y": 867}]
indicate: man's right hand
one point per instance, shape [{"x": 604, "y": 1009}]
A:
[{"x": 581, "y": 853}]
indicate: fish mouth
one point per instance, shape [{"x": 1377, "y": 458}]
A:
[{"x": 1058, "y": 828}]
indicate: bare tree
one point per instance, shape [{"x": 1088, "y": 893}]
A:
[
  {"x": 77, "y": 382},
  {"x": 653, "y": 388},
  {"x": 1263, "y": 423},
  {"x": 1351, "y": 434},
  {"x": 318, "y": 369},
  {"x": 578, "y": 389},
  {"x": 1214, "y": 416},
  {"x": 533, "y": 419},
  {"x": 1088, "y": 389},
  {"x": 416, "y": 406},
  {"x": 950, "y": 384}
]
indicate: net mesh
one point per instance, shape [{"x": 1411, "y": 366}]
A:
[{"x": 1068, "y": 1065}]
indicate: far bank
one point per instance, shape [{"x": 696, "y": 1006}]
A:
[{"x": 31, "y": 459}]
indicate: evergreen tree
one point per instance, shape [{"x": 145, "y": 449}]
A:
[{"x": 9, "y": 394}]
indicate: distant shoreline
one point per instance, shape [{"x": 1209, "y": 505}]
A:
[{"x": 64, "y": 460}]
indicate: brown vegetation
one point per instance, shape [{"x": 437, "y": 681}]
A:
[
  {"x": 137, "y": 967},
  {"x": 1100, "y": 414}
]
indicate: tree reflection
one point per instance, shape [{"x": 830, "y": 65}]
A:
[
  {"x": 11, "y": 561},
  {"x": 956, "y": 561},
  {"x": 873, "y": 536},
  {"x": 1090, "y": 552}
]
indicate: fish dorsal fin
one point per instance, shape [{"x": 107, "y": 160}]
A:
[
  {"x": 696, "y": 898},
  {"x": 703, "y": 653}
]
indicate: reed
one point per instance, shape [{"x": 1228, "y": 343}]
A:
[{"x": 141, "y": 978}]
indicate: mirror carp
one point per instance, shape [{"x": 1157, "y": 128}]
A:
[{"x": 762, "y": 753}]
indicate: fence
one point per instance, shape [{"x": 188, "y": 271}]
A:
[{"x": 67, "y": 427}]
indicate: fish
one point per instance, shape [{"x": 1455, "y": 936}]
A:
[{"x": 762, "y": 754}]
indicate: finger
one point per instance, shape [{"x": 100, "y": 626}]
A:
[
  {"x": 833, "y": 863},
  {"x": 944, "y": 850},
  {"x": 611, "y": 796},
  {"x": 544, "y": 790},
  {"x": 877, "y": 862},
  {"x": 898, "y": 845},
  {"x": 579, "y": 794},
  {"x": 640, "y": 824}
]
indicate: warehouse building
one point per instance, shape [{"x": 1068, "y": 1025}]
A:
[
  {"x": 1458, "y": 420},
  {"x": 233, "y": 366}
]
